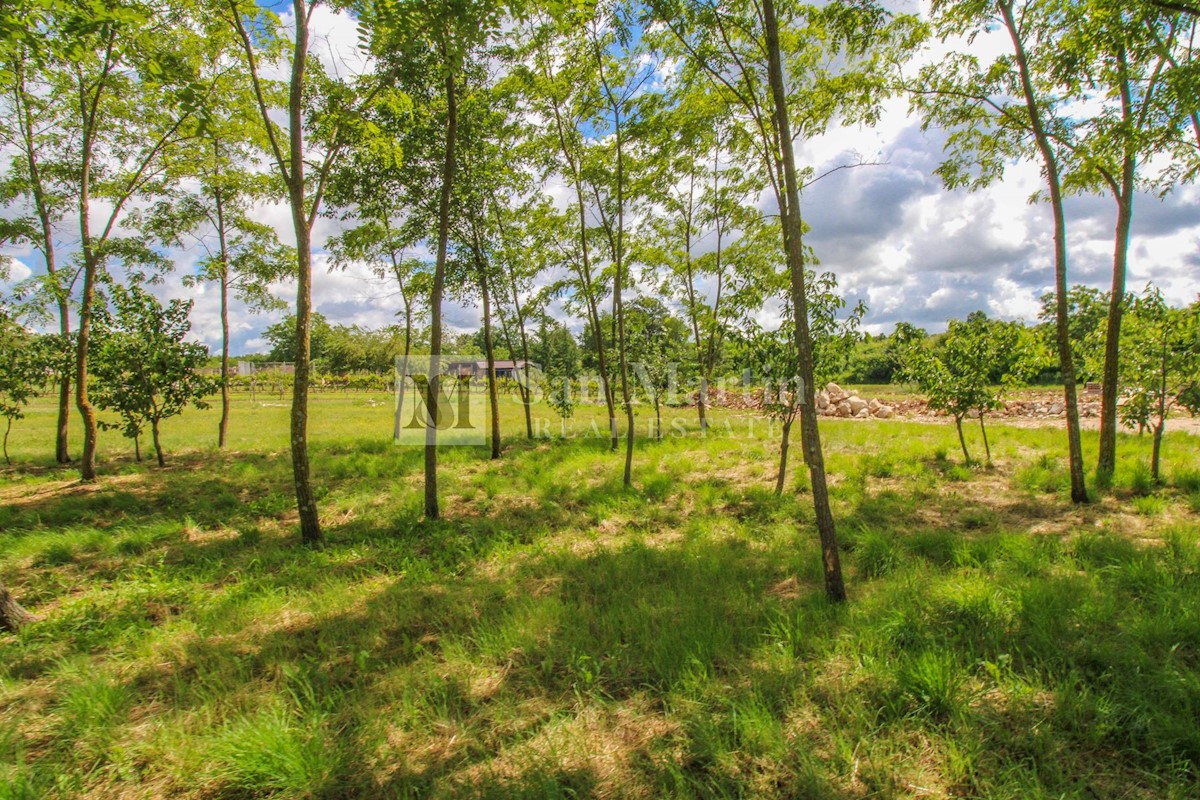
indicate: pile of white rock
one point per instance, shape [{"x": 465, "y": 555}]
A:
[{"x": 834, "y": 401}]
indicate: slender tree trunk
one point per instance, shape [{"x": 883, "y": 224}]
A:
[
  {"x": 12, "y": 616},
  {"x": 962, "y": 440},
  {"x": 7, "y": 431},
  {"x": 693, "y": 314},
  {"x": 1162, "y": 415},
  {"x": 490, "y": 352},
  {"x": 62, "y": 453},
  {"x": 586, "y": 274},
  {"x": 657, "y": 418},
  {"x": 306, "y": 501},
  {"x": 784, "y": 446},
  {"x": 402, "y": 375},
  {"x": 439, "y": 285},
  {"x": 137, "y": 448},
  {"x": 810, "y": 435},
  {"x": 516, "y": 295},
  {"x": 87, "y": 462},
  {"x": 158, "y": 451},
  {"x": 619, "y": 279},
  {"x": 1062, "y": 312},
  {"x": 987, "y": 448},
  {"x": 223, "y": 427},
  {"x": 524, "y": 385},
  {"x": 91, "y": 265},
  {"x": 1107, "y": 461}
]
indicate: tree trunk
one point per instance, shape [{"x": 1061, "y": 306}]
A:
[
  {"x": 525, "y": 388},
  {"x": 987, "y": 448},
  {"x": 439, "y": 284},
  {"x": 62, "y": 454},
  {"x": 1107, "y": 461},
  {"x": 490, "y": 352},
  {"x": 402, "y": 373},
  {"x": 12, "y": 616},
  {"x": 87, "y": 462},
  {"x": 1066, "y": 361},
  {"x": 91, "y": 265},
  {"x": 1162, "y": 412},
  {"x": 1154, "y": 458},
  {"x": 158, "y": 451},
  {"x": 522, "y": 385},
  {"x": 137, "y": 448},
  {"x": 810, "y": 435},
  {"x": 784, "y": 445},
  {"x": 223, "y": 427},
  {"x": 7, "y": 431},
  {"x": 657, "y": 417},
  {"x": 586, "y": 274},
  {"x": 961, "y": 440},
  {"x": 619, "y": 279},
  {"x": 306, "y": 501}
]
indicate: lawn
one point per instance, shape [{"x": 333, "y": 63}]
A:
[{"x": 558, "y": 636}]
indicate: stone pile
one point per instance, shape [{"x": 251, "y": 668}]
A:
[
  {"x": 834, "y": 401},
  {"x": 1049, "y": 406}
]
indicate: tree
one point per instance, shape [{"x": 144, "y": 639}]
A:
[
  {"x": 145, "y": 369},
  {"x": 657, "y": 348},
  {"x": 834, "y": 336},
  {"x": 22, "y": 373},
  {"x": 128, "y": 82},
  {"x": 706, "y": 229},
  {"x": 1160, "y": 361},
  {"x": 958, "y": 374},
  {"x": 433, "y": 49},
  {"x": 617, "y": 111},
  {"x": 327, "y": 112},
  {"x": 283, "y": 340},
  {"x": 554, "y": 348},
  {"x": 1002, "y": 110},
  {"x": 1114, "y": 57},
  {"x": 558, "y": 81},
  {"x": 217, "y": 178},
  {"x": 35, "y": 134},
  {"x": 779, "y": 91},
  {"x": 1086, "y": 315}
]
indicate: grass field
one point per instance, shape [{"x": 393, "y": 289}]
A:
[{"x": 558, "y": 636}]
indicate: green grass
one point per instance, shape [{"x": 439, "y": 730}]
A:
[{"x": 556, "y": 635}]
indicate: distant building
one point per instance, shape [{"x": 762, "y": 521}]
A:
[{"x": 478, "y": 369}]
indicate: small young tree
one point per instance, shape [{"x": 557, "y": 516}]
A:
[
  {"x": 556, "y": 350},
  {"x": 834, "y": 337},
  {"x": 657, "y": 345},
  {"x": 145, "y": 369},
  {"x": 21, "y": 373},
  {"x": 967, "y": 371},
  {"x": 1160, "y": 360}
]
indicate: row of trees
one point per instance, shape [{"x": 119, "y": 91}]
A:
[
  {"x": 145, "y": 369},
  {"x": 552, "y": 153}
]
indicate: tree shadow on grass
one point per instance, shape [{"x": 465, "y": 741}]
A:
[{"x": 427, "y": 676}]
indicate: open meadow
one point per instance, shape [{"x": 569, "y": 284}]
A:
[{"x": 558, "y": 636}]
